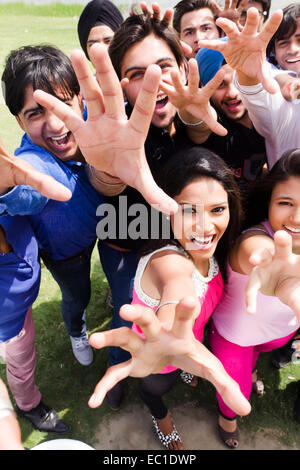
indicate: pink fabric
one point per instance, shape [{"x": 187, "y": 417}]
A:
[
  {"x": 20, "y": 360},
  {"x": 208, "y": 303},
  {"x": 239, "y": 361}
]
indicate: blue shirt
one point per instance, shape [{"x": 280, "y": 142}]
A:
[
  {"x": 19, "y": 275},
  {"x": 62, "y": 229}
]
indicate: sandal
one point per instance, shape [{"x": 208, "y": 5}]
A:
[
  {"x": 187, "y": 378},
  {"x": 230, "y": 439},
  {"x": 166, "y": 439}
]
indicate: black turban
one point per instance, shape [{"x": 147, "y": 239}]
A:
[{"x": 96, "y": 13}]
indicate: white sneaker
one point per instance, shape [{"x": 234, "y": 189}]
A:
[{"x": 82, "y": 350}]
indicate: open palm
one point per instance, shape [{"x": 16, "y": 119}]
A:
[
  {"x": 108, "y": 140},
  {"x": 160, "y": 347},
  {"x": 245, "y": 51},
  {"x": 275, "y": 274}
]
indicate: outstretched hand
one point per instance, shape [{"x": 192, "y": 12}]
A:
[
  {"x": 231, "y": 11},
  {"x": 107, "y": 139},
  {"x": 193, "y": 99},
  {"x": 176, "y": 346},
  {"x": 15, "y": 171},
  {"x": 245, "y": 51},
  {"x": 276, "y": 274}
]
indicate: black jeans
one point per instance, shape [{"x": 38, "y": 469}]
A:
[{"x": 73, "y": 277}]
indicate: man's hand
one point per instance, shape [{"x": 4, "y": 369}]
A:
[
  {"x": 275, "y": 274},
  {"x": 108, "y": 140},
  {"x": 245, "y": 51},
  {"x": 161, "y": 347},
  {"x": 194, "y": 100},
  {"x": 15, "y": 171},
  {"x": 231, "y": 11}
]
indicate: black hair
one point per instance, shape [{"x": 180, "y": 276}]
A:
[
  {"x": 136, "y": 28},
  {"x": 187, "y": 166},
  {"x": 287, "y": 27},
  {"x": 259, "y": 198},
  {"x": 44, "y": 67},
  {"x": 185, "y": 6}
]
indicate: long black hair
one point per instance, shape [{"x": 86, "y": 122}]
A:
[
  {"x": 187, "y": 166},
  {"x": 259, "y": 198}
]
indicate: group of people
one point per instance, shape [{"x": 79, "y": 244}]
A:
[{"x": 188, "y": 127}]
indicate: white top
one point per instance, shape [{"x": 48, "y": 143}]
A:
[
  {"x": 200, "y": 282},
  {"x": 276, "y": 119}
]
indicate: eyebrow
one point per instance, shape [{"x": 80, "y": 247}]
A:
[
  {"x": 91, "y": 41},
  {"x": 39, "y": 107},
  {"x": 191, "y": 28},
  {"x": 199, "y": 203},
  {"x": 136, "y": 67}
]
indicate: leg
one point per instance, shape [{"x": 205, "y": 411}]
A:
[
  {"x": 119, "y": 268},
  {"x": 20, "y": 359},
  {"x": 237, "y": 361},
  {"x": 73, "y": 278},
  {"x": 152, "y": 388}
]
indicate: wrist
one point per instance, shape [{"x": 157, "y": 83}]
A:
[
  {"x": 188, "y": 120},
  {"x": 245, "y": 79}
]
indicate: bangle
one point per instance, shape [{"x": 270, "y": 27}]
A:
[
  {"x": 189, "y": 123},
  {"x": 6, "y": 408}
]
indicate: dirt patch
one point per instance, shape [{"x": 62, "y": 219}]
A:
[{"x": 132, "y": 429}]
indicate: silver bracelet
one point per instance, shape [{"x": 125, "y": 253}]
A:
[
  {"x": 236, "y": 83},
  {"x": 166, "y": 303},
  {"x": 189, "y": 123},
  {"x": 6, "y": 408}
]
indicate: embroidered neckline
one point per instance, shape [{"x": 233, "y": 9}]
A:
[{"x": 200, "y": 282}]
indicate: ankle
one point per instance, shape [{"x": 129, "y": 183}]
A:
[{"x": 228, "y": 425}]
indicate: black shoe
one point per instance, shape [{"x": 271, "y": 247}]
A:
[
  {"x": 44, "y": 419},
  {"x": 115, "y": 396}
]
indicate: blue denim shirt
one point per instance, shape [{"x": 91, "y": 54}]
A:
[
  {"x": 19, "y": 275},
  {"x": 62, "y": 229}
]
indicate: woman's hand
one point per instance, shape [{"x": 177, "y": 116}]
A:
[
  {"x": 275, "y": 274},
  {"x": 176, "y": 346}
]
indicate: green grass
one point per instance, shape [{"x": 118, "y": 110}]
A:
[{"x": 63, "y": 382}]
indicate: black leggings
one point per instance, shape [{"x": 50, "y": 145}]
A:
[{"x": 153, "y": 387}]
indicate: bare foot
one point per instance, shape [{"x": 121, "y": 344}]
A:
[{"x": 166, "y": 427}]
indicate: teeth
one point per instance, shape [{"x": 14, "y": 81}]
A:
[
  {"x": 202, "y": 240},
  {"x": 293, "y": 60},
  {"x": 292, "y": 229},
  {"x": 60, "y": 137},
  {"x": 161, "y": 98}
]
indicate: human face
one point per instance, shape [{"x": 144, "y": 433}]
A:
[
  {"x": 227, "y": 98},
  {"x": 196, "y": 25},
  {"x": 151, "y": 50},
  {"x": 48, "y": 131},
  {"x": 260, "y": 9},
  {"x": 284, "y": 209},
  {"x": 202, "y": 219},
  {"x": 102, "y": 34},
  {"x": 287, "y": 51}
]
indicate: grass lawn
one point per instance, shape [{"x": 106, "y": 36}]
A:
[{"x": 63, "y": 382}]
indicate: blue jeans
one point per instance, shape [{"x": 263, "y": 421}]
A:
[
  {"x": 73, "y": 277},
  {"x": 119, "y": 268}
]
